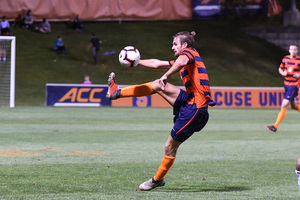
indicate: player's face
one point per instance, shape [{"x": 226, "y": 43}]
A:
[
  {"x": 293, "y": 50},
  {"x": 177, "y": 46}
]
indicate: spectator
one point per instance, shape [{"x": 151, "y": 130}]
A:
[
  {"x": 18, "y": 21},
  {"x": 4, "y": 26},
  {"x": 87, "y": 80},
  {"x": 2, "y": 55},
  {"x": 78, "y": 24},
  {"x": 44, "y": 27},
  {"x": 96, "y": 47},
  {"x": 59, "y": 45},
  {"x": 28, "y": 20}
]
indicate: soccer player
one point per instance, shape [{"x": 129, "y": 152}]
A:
[
  {"x": 189, "y": 107},
  {"x": 290, "y": 69}
]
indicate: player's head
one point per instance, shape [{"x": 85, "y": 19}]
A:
[
  {"x": 293, "y": 49},
  {"x": 187, "y": 37},
  {"x": 182, "y": 40}
]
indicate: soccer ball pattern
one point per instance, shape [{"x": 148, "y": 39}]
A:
[{"x": 129, "y": 56}]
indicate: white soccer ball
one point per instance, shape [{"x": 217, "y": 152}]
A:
[{"x": 129, "y": 56}]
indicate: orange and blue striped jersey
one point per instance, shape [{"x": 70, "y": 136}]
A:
[
  {"x": 291, "y": 65},
  {"x": 195, "y": 78}
]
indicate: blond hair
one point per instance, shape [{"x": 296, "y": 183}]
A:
[{"x": 187, "y": 37}]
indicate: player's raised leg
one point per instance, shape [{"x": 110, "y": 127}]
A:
[
  {"x": 169, "y": 93},
  {"x": 131, "y": 91}
]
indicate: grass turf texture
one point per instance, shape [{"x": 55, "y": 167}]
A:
[
  {"x": 105, "y": 153},
  {"x": 232, "y": 58}
]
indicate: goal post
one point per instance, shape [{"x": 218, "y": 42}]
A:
[{"x": 7, "y": 70}]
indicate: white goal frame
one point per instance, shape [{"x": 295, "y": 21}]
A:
[{"x": 12, "y": 68}]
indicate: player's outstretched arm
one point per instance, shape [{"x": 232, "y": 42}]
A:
[{"x": 155, "y": 64}]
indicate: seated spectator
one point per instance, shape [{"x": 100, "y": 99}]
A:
[
  {"x": 18, "y": 21},
  {"x": 59, "y": 45},
  {"x": 78, "y": 24},
  {"x": 2, "y": 55},
  {"x": 28, "y": 20},
  {"x": 44, "y": 27},
  {"x": 4, "y": 26},
  {"x": 87, "y": 80}
]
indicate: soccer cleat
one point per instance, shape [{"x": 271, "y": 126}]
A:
[
  {"x": 272, "y": 128},
  {"x": 151, "y": 184},
  {"x": 113, "y": 89}
]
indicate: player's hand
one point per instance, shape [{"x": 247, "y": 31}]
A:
[
  {"x": 296, "y": 75},
  {"x": 284, "y": 73},
  {"x": 163, "y": 82}
]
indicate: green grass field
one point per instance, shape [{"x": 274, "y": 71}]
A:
[{"x": 105, "y": 153}]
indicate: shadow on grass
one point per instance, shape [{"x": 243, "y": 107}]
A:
[{"x": 204, "y": 189}]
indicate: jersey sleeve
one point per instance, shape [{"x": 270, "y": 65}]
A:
[
  {"x": 185, "y": 52},
  {"x": 171, "y": 63},
  {"x": 189, "y": 54}
]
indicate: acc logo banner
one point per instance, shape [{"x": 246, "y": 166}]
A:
[{"x": 76, "y": 95}]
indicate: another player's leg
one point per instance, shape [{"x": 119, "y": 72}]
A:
[
  {"x": 272, "y": 128},
  {"x": 298, "y": 171},
  {"x": 280, "y": 116},
  {"x": 295, "y": 106},
  {"x": 279, "y": 119}
]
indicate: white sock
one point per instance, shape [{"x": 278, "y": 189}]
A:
[{"x": 298, "y": 175}]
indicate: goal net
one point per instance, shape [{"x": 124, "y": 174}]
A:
[{"x": 7, "y": 70}]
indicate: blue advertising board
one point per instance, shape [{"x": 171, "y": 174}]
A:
[{"x": 76, "y": 95}]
